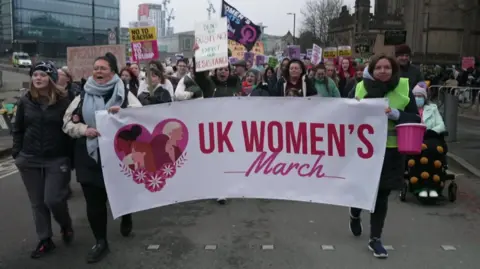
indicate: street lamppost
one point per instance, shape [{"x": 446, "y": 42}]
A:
[{"x": 294, "y": 21}]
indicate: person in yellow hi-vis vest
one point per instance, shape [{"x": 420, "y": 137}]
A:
[{"x": 381, "y": 79}]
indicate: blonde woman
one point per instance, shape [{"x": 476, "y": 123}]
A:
[{"x": 42, "y": 154}]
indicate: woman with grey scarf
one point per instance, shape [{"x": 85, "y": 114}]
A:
[{"x": 104, "y": 90}]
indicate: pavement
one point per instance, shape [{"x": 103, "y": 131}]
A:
[
  {"x": 466, "y": 150},
  {"x": 253, "y": 234}
]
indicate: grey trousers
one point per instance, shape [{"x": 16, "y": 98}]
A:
[{"x": 47, "y": 189}]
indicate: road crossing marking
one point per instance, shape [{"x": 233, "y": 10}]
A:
[
  {"x": 7, "y": 167},
  {"x": 153, "y": 247},
  {"x": 267, "y": 247},
  {"x": 328, "y": 247},
  {"x": 449, "y": 248},
  {"x": 210, "y": 247}
]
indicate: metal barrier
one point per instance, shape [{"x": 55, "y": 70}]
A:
[{"x": 449, "y": 100}]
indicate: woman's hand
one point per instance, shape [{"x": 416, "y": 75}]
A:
[
  {"x": 91, "y": 132},
  {"x": 195, "y": 47},
  {"x": 388, "y": 110},
  {"x": 114, "y": 109}
]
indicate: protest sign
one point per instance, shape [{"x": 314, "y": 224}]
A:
[
  {"x": 272, "y": 61},
  {"x": 309, "y": 53},
  {"x": 232, "y": 60},
  {"x": 316, "y": 54},
  {"x": 293, "y": 52},
  {"x": 330, "y": 53},
  {"x": 144, "y": 51},
  {"x": 163, "y": 154},
  {"x": 259, "y": 60},
  {"x": 212, "y": 40},
  {"x": 143, "y": 41},
  {"x": 345, "y": 51},
  {"x": 143, "y": 34},
  {"x": 238, "y": 50},
  {"x": 80, "y": 59}
]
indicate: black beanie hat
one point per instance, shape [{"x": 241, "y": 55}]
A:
[
  {"x": 403, "y": 49},
  {"x": 47, "y": 67}
]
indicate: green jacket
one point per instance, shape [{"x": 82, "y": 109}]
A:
[{"x": 326, "y": 91}]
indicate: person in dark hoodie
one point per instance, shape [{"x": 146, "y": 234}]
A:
[
  {"x": 352, "y": 83},
  {"x": 295, "y": 81},
  {"x": 382, "y": 80},
  {"x": 104, "y": 90},
  {"x": 270, "y": 78},
  {"x": 42, "y": 154},
  {"x": 407, "y": 70}
]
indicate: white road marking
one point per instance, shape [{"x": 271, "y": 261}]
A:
[
  {"x": 7, "y": 167},
  {"x": 328, "y": 247},
  {"x": 267, "y": 247},
  {"x": 153, "y": 247},
  {"x": 449, "y": 248},
  {"x": 210, "y": 247}
]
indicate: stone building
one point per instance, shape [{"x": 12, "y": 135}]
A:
[{"x": 438, "y": 31}]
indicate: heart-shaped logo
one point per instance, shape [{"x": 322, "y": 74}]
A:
[{"x": 150, "y": 158}]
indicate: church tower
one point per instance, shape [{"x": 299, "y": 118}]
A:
[{"x": 362, "y": 16}]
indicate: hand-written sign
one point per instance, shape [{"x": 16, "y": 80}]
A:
[
  {"x": 143, "y": 34},
  {"x": 80, "y": 59},
  {"x": 212, "y": 40}
]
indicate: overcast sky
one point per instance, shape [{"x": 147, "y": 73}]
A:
[{"x": 272, "y": 13}]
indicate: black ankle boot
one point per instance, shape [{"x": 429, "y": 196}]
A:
[
  {"x": 98, "y": 252},
  {"x": 44, "y": 247},
  {"x": 126, "y": 225}
]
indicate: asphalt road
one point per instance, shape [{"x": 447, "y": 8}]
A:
[{"x": 252, "y": 234}]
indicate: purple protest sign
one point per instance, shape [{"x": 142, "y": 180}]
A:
[
  {"x": 259, "y": 60},
  {"x": 309, "y": 53},
  {"x": 293, "y": 52},
  {"x": 248, "y": 57},
  {"x": 232, "y": 60}
]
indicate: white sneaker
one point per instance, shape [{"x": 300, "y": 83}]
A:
[
  {"x": 433, "y": 194},
  {"x": 423, "y": 194}
]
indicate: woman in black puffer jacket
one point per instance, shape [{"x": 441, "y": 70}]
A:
[{"x": 42, "y": 154}]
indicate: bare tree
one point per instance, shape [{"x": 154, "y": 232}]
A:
[{"x": 317, "y": 15}]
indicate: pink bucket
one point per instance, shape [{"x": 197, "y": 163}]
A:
[{"x": 410, "y": 138}]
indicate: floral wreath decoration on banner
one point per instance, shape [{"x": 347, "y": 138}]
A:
[{"x": 152, "y": 158}]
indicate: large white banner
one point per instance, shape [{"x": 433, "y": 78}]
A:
[{"x": 322, "y": 150}]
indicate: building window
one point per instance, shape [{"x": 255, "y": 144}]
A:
[{"x": 187, "y": 44}]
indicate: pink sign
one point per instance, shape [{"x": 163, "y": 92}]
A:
[{"x": 145, "y": 51}]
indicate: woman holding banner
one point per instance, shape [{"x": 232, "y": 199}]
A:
[
  {"x": 104, "y": 90},
  {"x": 383, "y": 81}
]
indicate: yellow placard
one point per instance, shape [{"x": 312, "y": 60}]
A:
[
  {"x": 344, "y": 51},
  {"x": 143, "y": 34},
  {"x": 238, "y": 49},
  {"x": 329, "y": 53}
]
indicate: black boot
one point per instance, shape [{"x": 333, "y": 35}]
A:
[
  {"x": 126, "y": 225},
  {"x": 98, "y": 252},
  {"x": 67, "y": 235},
  {"x": 43, "y": 247}
]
